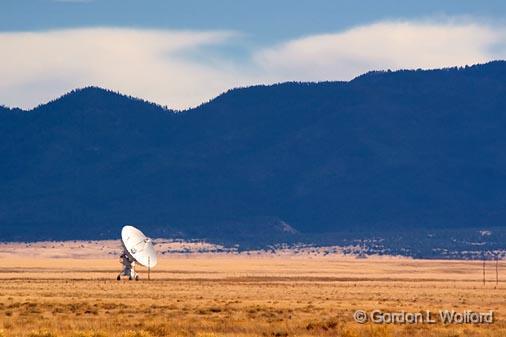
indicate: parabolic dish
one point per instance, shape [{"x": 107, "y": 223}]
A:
[{"x": 138, "y": 246}]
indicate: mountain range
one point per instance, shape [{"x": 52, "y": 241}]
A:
[{"x": 385, "y": 152}]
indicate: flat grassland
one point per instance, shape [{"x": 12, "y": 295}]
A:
[{"x": 268, "y": 295}]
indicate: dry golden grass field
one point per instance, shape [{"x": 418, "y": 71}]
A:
[{"x": 268, "y": 295}]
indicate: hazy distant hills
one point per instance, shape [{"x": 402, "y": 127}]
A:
[{"x": 386, "y": 151}]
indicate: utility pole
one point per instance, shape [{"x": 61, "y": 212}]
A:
[
  {"x": 483, "y": 271},
  {"x": 496, "y": 271}
]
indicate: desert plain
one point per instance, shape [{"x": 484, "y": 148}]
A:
[{"x": 70, "y": 289}]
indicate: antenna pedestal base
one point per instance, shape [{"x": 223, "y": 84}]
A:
[{"x": 128, "y": 267}]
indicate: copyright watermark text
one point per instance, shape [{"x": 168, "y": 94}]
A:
[{"x": 424, "y": 317}]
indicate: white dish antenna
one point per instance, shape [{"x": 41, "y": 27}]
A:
[{"x": 137, "y": 248}]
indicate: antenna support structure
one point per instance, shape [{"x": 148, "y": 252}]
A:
[{"x": 128, "y": 267}]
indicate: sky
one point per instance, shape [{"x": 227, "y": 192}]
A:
[{"x": 183, "y": 53}]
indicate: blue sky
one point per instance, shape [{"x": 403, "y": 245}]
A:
[
  {"x": 182, "y": 53},
  {"x": 265, "y": 21}
]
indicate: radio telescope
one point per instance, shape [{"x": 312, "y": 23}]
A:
[{"x": 137, "y": 248}]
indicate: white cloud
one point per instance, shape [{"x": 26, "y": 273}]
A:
[
  {"x": 383, "y": 45},
  {"x": 151, "y": 64},
  {"x": 177, "y": 68}
]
